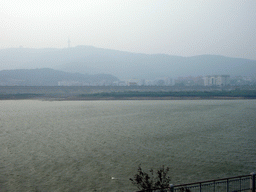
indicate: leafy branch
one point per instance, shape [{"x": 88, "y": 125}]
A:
[{"x": 147, "y": 181}]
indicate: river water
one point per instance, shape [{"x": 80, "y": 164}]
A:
[{"x": 98, "y": 145}]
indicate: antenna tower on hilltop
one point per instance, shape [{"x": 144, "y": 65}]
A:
[{"x": 69, "y": 43}]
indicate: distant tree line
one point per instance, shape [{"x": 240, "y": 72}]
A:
[
  {"x": 201, "y": 94},
  {"x": 19, "y": 96},
  {"x": 248, "y": 94}
]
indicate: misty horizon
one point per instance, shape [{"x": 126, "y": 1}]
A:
[
  {"x": 124, "y": 65},
  {"x": 77, "y": 46},
  {"x": 182, "y": 28}
]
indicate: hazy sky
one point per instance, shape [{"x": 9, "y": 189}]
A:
[{"x": 175, "y": 27}]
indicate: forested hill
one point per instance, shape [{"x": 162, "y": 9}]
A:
[
  {"x": 50, "y": 77},
  {"x": 124, "y": 65}
]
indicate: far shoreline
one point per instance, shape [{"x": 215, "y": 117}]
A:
[
  {"x": 149, "y": 98},
  {"x": 126, "y": 98}
]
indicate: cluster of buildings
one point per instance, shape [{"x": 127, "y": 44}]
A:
[
  {"x": 131, "y": 82},
  {"x": 243, "y": 80},
  {"x": 156, "y": 82},
  {"x": 216, "y": 80},
  {"x": 189, "y": 81},
  {"x": 209, "y": 80}
]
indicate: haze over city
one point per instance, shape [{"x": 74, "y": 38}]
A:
[{"x": 182, "y": 28}]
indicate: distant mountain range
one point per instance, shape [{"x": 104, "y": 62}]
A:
[
  {"x": 124, "y": 65},
  {"x": 51, "y": 77}
]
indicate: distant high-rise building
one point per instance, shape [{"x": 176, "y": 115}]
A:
[{"x": 216, "y": 80}]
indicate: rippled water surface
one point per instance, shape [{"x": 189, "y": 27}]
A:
[{"x": 81, "y": 145}]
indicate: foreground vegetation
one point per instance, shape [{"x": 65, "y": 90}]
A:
[
  {"x": 154, "y": 180},
  {"x": 148, "y": 181}
]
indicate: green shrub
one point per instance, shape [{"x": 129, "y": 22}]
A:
[{"x": 148, "y": 181}]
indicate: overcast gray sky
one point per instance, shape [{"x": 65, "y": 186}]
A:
[{"x": 175, "y": 27}]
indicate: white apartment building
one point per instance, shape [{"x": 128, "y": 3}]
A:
[{"x": 216, "y": 80}]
